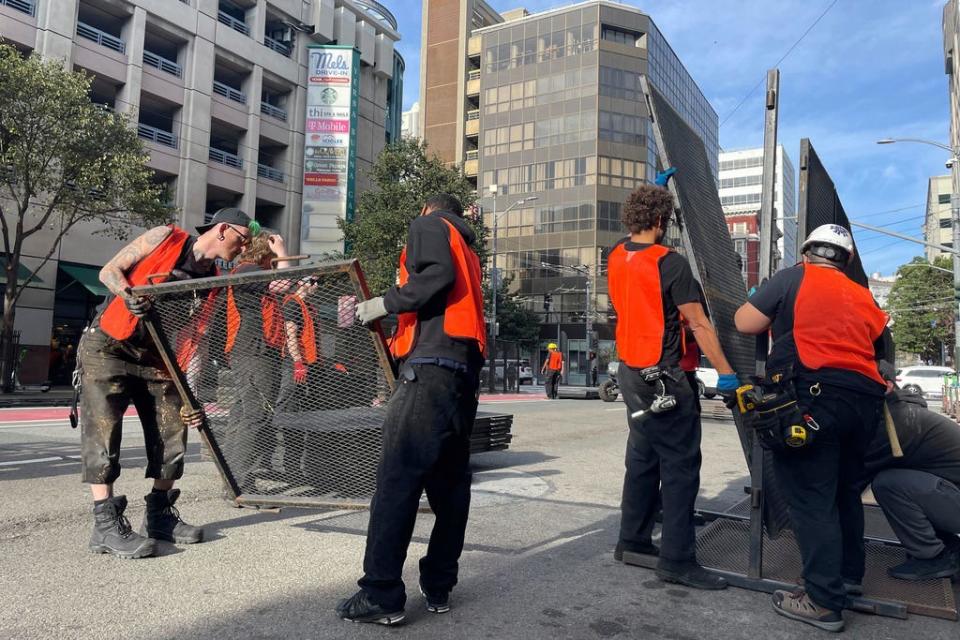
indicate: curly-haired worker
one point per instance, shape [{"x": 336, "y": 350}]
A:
[{"x": 653, "y": 290}]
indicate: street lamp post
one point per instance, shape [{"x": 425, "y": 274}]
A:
[
  {"x": 494, "y": 285},
  {"x": 955, "y": 226}
]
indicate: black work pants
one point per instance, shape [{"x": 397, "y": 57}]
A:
[
  {"x": 551, "y": 383},
  {"x": 663, "y": 464},
  {"x": 820, "y": 485},
  {"x": 426, "y": 446},
  {"x": 252, "y": 439},
  {"x": 923, "y": 509}
]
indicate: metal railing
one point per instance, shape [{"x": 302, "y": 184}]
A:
[
  {"x": 280, "y": 47},
  {"x": 268, "y": 172},
  {"x": 161, "y": 63},
  {"x": 473, "y": 114},
  {"x": 28, "y": 7},
  {"x": 102, "y": 38},
  {"x": 159, "y": 136},
  {"x": 227, "y": 91},
  {"x": 274, "y": 111},
  {"x": 233, "y": 23},
  {"x": 474, "y": 75},
  {"x": 225, "y": 157},
  {"x": 472, "y": 154}
]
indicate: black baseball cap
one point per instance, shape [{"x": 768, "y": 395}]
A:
[{"x": 227, "y": 215}]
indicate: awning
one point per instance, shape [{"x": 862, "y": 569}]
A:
[
  {"x": 89, "y": 277},
  {"x": 22, "y": 272}
]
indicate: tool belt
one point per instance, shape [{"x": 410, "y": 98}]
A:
[{"x": 769, "y": 408}]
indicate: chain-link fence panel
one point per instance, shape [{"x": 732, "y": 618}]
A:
[
  {"x": 820, "y": 204},
  {"x": 710, "y": 251},
  {"x": 294, "y": 390}
]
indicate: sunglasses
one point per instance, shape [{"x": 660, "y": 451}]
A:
[{"x": 244, "y": 238}]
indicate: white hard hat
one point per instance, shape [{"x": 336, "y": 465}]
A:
[{"x": 833, "y": 235}]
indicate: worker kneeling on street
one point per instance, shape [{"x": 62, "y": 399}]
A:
[
  {"x": 826, "y": 339},
  {"x": 920, "y": 491},
  {"x": 652, "y": 289},
  {"x": 440, "y": 343}
]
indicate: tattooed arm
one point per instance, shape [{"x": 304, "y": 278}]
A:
[{"x": 113, "y": 274}]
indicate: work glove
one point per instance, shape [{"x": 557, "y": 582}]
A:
[
  {"x": 299, "y": 372},
  {"x": 727, "y": 385},
  {"x": 193, "y": 419},
  {"x": 663, "y": 177},
  {"x": 370, "y": 310},
  {"x": 139, "y": 306}
]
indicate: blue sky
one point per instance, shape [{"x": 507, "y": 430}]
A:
[{"x": 870, "y": 69}]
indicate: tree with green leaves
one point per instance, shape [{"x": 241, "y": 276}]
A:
[
  {"x": 404, "y": 176},
  {"x": 922, "y": 308},
  {"x": 64, "y": 161}
]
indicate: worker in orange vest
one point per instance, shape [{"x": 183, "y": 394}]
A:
[
  {"x": 440, "y": 343},
  {"x": 827, "y": 338},
  {"x": 121, "y": 366},
  {"x": 552, "y": 370},
  {"x": 653, "y": 290}
]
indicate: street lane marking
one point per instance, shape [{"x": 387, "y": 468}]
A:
[{"x": 12, "y": 463}]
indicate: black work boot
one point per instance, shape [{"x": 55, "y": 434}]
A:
[
  {"x": 943, "y": 565},
  {"x": 162, "y": 520},
  {"x": 643, "y": 549},
  {"x": 359, "y": 608},
  {"x": 691, "y": 575},
  {"x": 113, "y": 534}
]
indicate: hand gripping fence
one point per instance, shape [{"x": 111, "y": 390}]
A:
[{"x": 294, "y": 390}]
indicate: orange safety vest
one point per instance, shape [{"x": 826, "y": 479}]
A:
[
  {"x": 463, "y": 316},
  {"x": 634, "y": 286},
  {"x": 116, "y": 320},
  {"x": 273, "y": 334},
  {"x": 844, "y": 337},
  {"x": 555, "y": 361},
  {"x": 308, "y": 337}
]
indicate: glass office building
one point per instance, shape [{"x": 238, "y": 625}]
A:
[{"x": 562, "y": 118}]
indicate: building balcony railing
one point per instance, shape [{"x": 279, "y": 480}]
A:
[
  {"x": 280, "y": 47},
  {"x": 28, "y": 7},
  {"x": 159, "y": 136},
  {"x": 474, "y": 75},
  {"x": 276, "y": 112},
  {"x": 268, "y": 172},
  {"x": 225, "y": 157},
  {"x": 472, "y": 154},
  {"x": 102, "y": 38},
  {"x": 233, "y": 23},
  {"x": 229, "y": 92},
  {"x": 161, "y": 63},
  {"x": 473, "y": 114}
]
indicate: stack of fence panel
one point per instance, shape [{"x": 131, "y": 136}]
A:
[{"x": 491, "y": 432}]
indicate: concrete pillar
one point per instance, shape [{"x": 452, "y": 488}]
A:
[
  {"x": 251, "y": 151},
  {"x": 128, "y": 97},
  {"x": 56, "y": 28}
]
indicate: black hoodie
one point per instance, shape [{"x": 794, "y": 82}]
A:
[{"x": 431, "y": 273}]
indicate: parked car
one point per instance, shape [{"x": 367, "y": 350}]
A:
[
  {"x": 706, "y": 379},
  {"x": 923, "y": 379},
  {"x": 523, "y": 370}
]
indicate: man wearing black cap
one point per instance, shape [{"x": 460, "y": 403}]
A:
[{"x": 121, "y": 366}]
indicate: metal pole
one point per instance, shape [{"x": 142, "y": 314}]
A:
[
  {"x": 588, "y": 324},
  {"x": 943, "y": 248},
  {"x": 493, "y": 303},
  {"x": 955, "y": 216},
  {"x": 767, "y": 218}
]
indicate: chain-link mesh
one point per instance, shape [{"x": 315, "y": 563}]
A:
[
  {"x": 711, "y": 253},
  {"x": 820, "y": 204},
  {"x": 293, "y": 388}
]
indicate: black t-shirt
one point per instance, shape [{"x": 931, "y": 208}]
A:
[
  {"x": 250, "y": 333},
  {"x": 677, "y": 286},
  {"x": 776, "y": 299}
]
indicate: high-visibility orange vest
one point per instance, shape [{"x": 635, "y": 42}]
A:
[
  {"x": 308, "y": 336},
  {"x": 836, "y": 322},
  {"x": 270, "y": 314},
  {"x": 463, "y": 316},
  {"x": 634, "y": 286},
  {"x": 116, "y": 320},
  {"x": 555, "y": 361}
]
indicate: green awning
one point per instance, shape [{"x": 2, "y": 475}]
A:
[
  {"x": 22, "y": 272},
  {"x": 89, "y": 277}
]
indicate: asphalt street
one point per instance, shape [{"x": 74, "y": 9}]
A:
[{"x": 538, "y": 562}]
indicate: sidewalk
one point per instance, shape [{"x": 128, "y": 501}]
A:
[{"x": 33, "y": 397}]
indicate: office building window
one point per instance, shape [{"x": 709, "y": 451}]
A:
[
  {"x": 740, "y": 181},
  {"x": 620, "y": 36},
  {"x": 741, "y": 163},
  {"x": 943, "y": 198},
  {"x": 622, "y": 128},
  {"x": 945, "y": 223}
]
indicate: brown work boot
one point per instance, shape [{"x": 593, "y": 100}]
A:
[{"x": 798, "y": 606}]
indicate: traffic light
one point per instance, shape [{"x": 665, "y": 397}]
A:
[{"x": 547, "y": 299}]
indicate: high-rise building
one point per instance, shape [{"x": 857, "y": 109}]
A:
[
  {"x": 552, "y": 109},
  {"x": 411, "y": 122},
  {"x": 741, "y": 183},
  {"x": 937, "y": 224},
  {"x": 218, "y": 89}
]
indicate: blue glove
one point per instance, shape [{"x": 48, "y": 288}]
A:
[
  {"x": 727, "y": 382},
  {"x": 663, "y": 177},
  {"x": 752, "y": 291}
]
